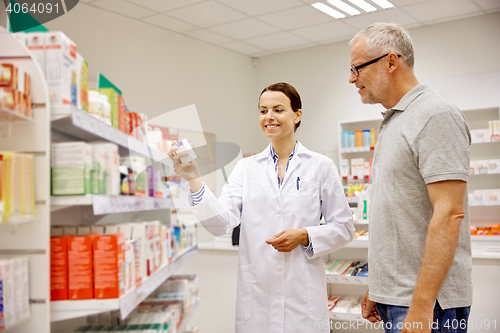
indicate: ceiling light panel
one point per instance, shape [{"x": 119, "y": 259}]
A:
[
  {"x": 344, "y": 7},
  {"x": 328, "y": 10},
  {"x": 363, "y": 5},
  {"x": 383, "y": 3}
]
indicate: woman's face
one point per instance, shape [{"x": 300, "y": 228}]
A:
[{"x": 277, "y": 119}]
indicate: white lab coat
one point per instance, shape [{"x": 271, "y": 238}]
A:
[{"x": 281, "y": 292}]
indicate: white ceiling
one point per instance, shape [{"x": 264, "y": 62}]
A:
[{"x": 261, "y": 27}]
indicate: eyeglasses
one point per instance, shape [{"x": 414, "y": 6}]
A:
[{"x": 355, "y": 69}]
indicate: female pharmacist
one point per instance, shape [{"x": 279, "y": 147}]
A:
[{"x": 277, "y": 196}]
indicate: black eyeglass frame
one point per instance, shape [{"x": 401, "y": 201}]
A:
[{"x": 355, "y": 69}]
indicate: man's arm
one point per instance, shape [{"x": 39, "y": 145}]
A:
[{"x": 442, "y": 237}]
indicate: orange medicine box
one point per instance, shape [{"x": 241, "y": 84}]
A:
[
  {"x": 109, "y": 266},
  {"x": 80, "y": 284},
  {"x": 58, "y": 268}
]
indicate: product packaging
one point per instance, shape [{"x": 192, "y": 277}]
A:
[
  {"x": 109, "y": 266},
  {"x": 71, "y": 166},
  {"x": 60, "y": 68},
  {"x": 82, "y": 71},
  {"x": 111, "y": 176},
  {"x": 36, "y": 44},
  {"x": 113, "y": 99},
  {"x": 184, "y": 147},
  {"x": 80, "y": 282},
  {"x": 58, "y": 268}
]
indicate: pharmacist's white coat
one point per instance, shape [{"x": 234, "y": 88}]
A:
[{"x": 281, "y": 292}]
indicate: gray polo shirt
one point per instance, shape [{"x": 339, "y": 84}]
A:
[{"x": 423, "y": 139}]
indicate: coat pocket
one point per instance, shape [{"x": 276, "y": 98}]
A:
[
  {"x": 244, "y": 300},
  {"x": 317, "y": 306},
  {"x": 306, "y": 200}
]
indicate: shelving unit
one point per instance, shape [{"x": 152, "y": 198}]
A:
[
  {"x": 485, "y": 249},
  {"x": 62, "y": 310},
  {"x": 7, "y": 115},
  {"x": 357, "y": 280},
  {"x": 187, "y": 318},
  {"x": 107, "y": 204},
  {"x": 72, "y": 123},
  {"x": 31, "y": 235}
]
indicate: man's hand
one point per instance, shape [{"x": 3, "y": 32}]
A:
[
  {"x": 288, "y": 240},
  {"x": 369, "y": 310},
  {"x": 418, "y": 321}
]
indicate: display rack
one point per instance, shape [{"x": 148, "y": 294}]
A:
[
  {"x": 357, "y": 280},
  {"x": 187, "y": 318},
  {"x": 346, "y": 316},
  {"x": 63, "y": 310},
  {"x": 108, "y": 204},
  {"x": 81, "y": 126},
  {"x": 7, "y": 115},
  {"x": 31, "y": 235}
]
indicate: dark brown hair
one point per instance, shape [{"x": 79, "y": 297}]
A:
[{"x": 289, "y": 92}]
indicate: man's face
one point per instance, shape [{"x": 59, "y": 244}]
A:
[{"x": 372, "y": 81}]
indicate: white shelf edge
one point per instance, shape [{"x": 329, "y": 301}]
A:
[
  {"x": 16, "y": 117},
  {"x": 21, "y": 220},
  {"x": 218, "y": 247},
  {"x": 481, "y": 239},
  {"x": 339, "y": 279},
  {"x": 345, "y": 316},
  {"x": 66, "y": 118},
  {"x": 355, "y": 150},
  {"x": 358, "y": 243},
  {"x": 109, "y": 204},
  {"x": 187, "y": 318},
  {"x": 69, "y": 309},
  {"x": 480, "y": 143}
]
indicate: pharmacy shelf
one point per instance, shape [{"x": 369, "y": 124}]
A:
[
  {"x": 475, "y": 238},
  {"x": 356, "y": 150},
  {"x": 63, "y": 310},
  {"x": 110, "y": 204},
  {"x": 345, "y": 316},
  {"x": 218, "y": 246},
  {"x": 80, "y": 125},
  {"x": 7, "y": 115},
  {"x": 19, "y": 220},
  {"x": 188, "y": 317},
  {"x": 485, "y": 142},
  {"x": 358, "y": 244},
  {"x": 339, "y": 279},
  {"x": 473, "y": 203}
]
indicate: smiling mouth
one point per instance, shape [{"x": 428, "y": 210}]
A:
[{"x": 272, "y": 126}]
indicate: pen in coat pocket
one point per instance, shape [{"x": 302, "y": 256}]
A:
[{"x": 298, "y": 179}]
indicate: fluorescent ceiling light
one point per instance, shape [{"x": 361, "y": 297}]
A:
[
  {"x": 344, "y": 7},
  {"x": 383, "y": 3},
  {"x": 363, "y": 5},
  {"x": 328, "y": 10}
]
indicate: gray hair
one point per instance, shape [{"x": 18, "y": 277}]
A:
[{"x": 383, "y": 38}]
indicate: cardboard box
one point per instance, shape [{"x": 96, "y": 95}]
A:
[
  {"x": 7, "y": 98},
  {"x": 71, "y": 166},
  {"x": 58, "y": 269},
  {"x": 60, "y": 68},
  {"x": 36, "y": 44},
  {"x": 8, "y": 76},
  {"x": 82, "y": 71},
  {"x": 114, "y": 101},
  {"x": 110, "y": 166},
  {"x": 80, "y": 265},
  {"x": 109, "y": 266}
]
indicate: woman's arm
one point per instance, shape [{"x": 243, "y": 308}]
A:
[{"x": 338, "y": 229}]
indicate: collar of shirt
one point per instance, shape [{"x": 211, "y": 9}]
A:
[
  {"x": 406, "y": 100},
  {"x": 276, "y": 158}
]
